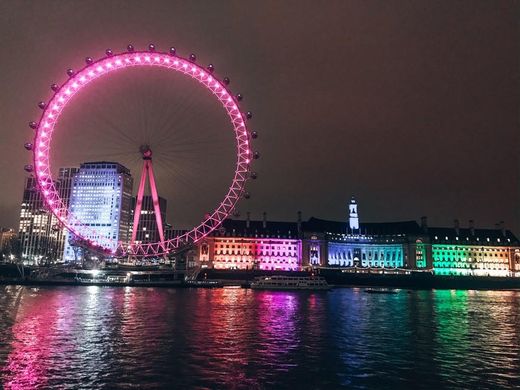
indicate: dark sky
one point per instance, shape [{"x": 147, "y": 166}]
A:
[{"x": 411, "y": 106}]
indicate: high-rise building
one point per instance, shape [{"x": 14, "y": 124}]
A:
[
  {"x": 100, "y": 203},
  {"x": 38, "y": 239},
  {"x": 64, "y": 187},
  {"x": 41, "y": 236},
  {"x": 147, "y": 230}
]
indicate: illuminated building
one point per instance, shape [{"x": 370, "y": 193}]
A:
[
  {"x": 101, "y": 201},
  {"x": 7, "y": 237},
  {"x": 470, "y": 251},
  {"x": 64, "y": 188},
  {"x": 364, "y": 245},
  {"x": 373, "y": 245},
  {"x": 361, "y": 247},
  {"x": 264, "y": 245},
  {"x": 42, "y": 238},
  {"x": 39, "y": 241},
  {"x": 147, "y": 230}
]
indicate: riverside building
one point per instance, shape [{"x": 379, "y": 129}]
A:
[
  {"x": 41, "y": 237},
  {"x": 389, "y": 247},
  {"x": 101, "y": 198},
  {"x": 477, "y": 252},
  {"x": 263, "y": 245},
  {"x": 7, "y": 243}
]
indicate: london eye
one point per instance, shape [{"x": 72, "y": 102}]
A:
[{"x": 64, "y": 98}]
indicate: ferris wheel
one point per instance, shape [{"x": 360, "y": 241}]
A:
[{"x": 112, "y": 62}]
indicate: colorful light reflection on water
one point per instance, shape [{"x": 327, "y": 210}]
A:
[{"x": 96, "y": 337}]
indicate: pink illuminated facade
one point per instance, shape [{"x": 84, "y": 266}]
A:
[{"x": 250, "y": 245}]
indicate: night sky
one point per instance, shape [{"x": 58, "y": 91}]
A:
[{"x": 411, "y": 106}]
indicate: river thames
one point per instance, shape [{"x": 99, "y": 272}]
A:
[{"x": 103, "y": 337}]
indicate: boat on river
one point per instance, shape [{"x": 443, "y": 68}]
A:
[
  {"x": 280, "y": 282},
  {"x": 381, "y": 291}
]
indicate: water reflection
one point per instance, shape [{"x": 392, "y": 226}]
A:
[
  {"x": 460, "y": 351},
  {"x": 232, "y": 338},
  {"x": 32, "y": 343},
  {"x": 277, "y": 327}
]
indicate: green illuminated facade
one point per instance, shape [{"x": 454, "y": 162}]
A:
[
  {"x": 475, "y": 252},
  {"x": 471, "y": 260}
]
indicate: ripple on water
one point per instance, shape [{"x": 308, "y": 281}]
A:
[{"x": 97, "y": 337}]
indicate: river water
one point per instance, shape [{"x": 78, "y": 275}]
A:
[{"x": 110, "y": 338}]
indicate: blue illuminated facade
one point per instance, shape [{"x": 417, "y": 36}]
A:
[
  {"x": 389, "y": 245},
  {"x": 101, "y": 198}
]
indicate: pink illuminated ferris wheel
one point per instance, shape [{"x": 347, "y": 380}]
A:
[{"x": 63, "y": 95}]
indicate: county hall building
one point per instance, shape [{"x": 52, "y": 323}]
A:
[{"x": 361, "y": 247}]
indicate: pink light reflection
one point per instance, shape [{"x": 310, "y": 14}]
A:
[{"x": 32, "y": 346}]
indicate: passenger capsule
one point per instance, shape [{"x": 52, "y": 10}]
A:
[
  {"x": 253, "y": 175},
  {"x": 109, "y": 52},
  {"x": 55, "y": 87},
  {"x": 193, "y": 57},
  {"x": 239, "y": 97},
  {"x": 226, "y": 80},
  {"x": 210, "y": 68},
  {"x": 249, "y": 115},
  {"x": 247, "y": 195},
  {"x": 254, "y": 134},
  {"x": 28, "y": 168},
  {"x": 33, "y": 125},
  {"x": 172, "y": 51},
  {"x": 70, "y": 72},
  {"x": 256, "y": 155},
  {"x": 28, "y": 146},
  {"x": 89, "y": 60},
  {"x": 130, "y": 48},
  {"x": 41, "y": 105},
  {"x": 151, "y": 47}
]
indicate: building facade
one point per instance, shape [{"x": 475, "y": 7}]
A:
[
  {"x": 362, "y": 247},
  {"x": 475, "y": 252},
  {"x": 64, "y": 188},
  {"x": 147, "y": 230},
  {"x": 369, "y": 245},
  {"x": 39, "y": 233},
  {"x": 8, "y": 244},
  {"x": 101, "y": 201},
  {"x": 251, "y": 245}
]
